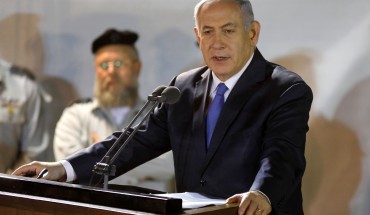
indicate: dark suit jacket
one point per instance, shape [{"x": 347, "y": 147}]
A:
[{"x": 258, "y": 142}]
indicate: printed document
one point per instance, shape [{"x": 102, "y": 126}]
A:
[{"x": 194, "y": 200}]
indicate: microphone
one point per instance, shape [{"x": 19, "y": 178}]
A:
[
  {"x": 156, "y": 92},
  {"x": 161, "y": 94},
  {"x": 170, "y": 95}
]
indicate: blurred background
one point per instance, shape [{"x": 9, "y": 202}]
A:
[{"x": 326, "y": 42}]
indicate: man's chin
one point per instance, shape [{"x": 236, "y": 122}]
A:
[{"x": 112, "y": 90}]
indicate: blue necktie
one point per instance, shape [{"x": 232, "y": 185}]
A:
[{"x": 214, "y": 110}]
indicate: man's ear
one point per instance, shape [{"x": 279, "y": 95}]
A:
[
  {"x": 196, "y": 32},
  {"x": 254, "y": 32},
  {"x": 137, "y": 66}
]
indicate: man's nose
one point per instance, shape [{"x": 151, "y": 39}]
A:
[
  {"x": 111, "y": 67},
  {"x": 218, "y": 41}
]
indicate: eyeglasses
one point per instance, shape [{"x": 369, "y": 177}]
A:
[{"x": 117, "y": 64}]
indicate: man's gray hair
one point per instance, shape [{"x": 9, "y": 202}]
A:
[{"x": 245, "y": 7}]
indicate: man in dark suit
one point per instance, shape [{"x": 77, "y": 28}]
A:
[{"x": 253, "y": 153}]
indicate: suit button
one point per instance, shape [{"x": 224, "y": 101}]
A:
[{"x": 203, "y": 182}]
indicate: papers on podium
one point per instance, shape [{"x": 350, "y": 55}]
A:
[{"x": 192, "y": 200}]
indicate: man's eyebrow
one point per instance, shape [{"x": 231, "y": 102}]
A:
[
  {"x": 207, "y": 27},
  {"x": 230, "y": 24}
]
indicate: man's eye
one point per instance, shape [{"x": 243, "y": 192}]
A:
[
  {"x": 117, "y": 63},
  {"x": 104, "y": 65},
  {"x": 229, "y": 31},
  {"x": 206, "y": 32}
]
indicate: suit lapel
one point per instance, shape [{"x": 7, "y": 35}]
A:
[
  {"x": 200, "y": 100},
  {"x": 237, "y": 99}
]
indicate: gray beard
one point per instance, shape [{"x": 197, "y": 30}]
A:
[{"x": 108, "y": 99}]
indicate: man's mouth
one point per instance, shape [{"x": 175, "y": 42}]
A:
[{"x": 219, "y": 58}]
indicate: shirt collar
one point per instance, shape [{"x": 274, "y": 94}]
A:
[{"x": 230, "y": 83}]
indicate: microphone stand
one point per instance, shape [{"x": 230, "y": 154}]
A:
[{"x": 105, "y": 166}]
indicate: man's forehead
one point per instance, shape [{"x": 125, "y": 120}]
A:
[
  {"x": 217, "y": 3},
  {"x": 226, "y": 25},
  {"x": 224, "y": 18},
  {"x": 114, "y": 49},
  {"x": 214, "y": 9}
]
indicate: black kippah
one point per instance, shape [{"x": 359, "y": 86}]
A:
[{"x": 112, "y": 36}]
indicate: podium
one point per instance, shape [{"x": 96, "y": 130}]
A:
[{"x": 21, "y": 195}]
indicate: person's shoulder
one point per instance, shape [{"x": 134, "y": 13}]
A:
[
  {"x": 22, "y": 72},
  {"x": 4, "y": 67},
  {"x": 81, "y": 102},
  {"x": 284, "y": 79},
  {"x": 281, "y": 73},
  {"x": 196, "y": 70},
  {"x": 193, "y": 74},
  {"x": 80, "y": 106}
]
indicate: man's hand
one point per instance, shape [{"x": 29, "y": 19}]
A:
[
  {"x": 251, "y": 203},
  {"x": 56, "y": 171}
]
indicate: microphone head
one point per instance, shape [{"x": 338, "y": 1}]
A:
[
  {"x": 170, "y": 95},
  {"x": 158, "y": 91}
]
